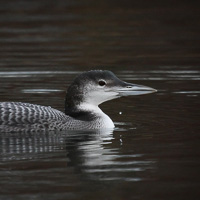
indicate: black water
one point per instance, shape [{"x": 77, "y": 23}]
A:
[{"x": 154, "y": 152}]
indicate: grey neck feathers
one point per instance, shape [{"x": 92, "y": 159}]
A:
[{"x": 73, "y": 99}]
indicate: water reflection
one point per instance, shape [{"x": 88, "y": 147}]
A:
[
  {"x": 161, "y": 75},
  {"x": 92, "y": 154},
  {"x": 12, "y": 74},
  {"x": 40, "y": 90},
  {"x": 123, "y": 74},
  {"x": 27, "y": 145}
]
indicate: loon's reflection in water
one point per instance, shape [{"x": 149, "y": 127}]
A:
[
  {"x": 93, "y": 154},
  {"x": 20, "y": 146}
]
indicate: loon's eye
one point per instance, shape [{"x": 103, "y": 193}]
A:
[{"x": 102, "y": 83}]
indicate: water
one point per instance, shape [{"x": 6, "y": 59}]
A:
[{"x": 154, "y": 151}]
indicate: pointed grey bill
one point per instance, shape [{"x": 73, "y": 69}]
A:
[{"x": 132, "y": 89}]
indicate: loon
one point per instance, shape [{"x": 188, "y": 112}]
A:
[{"x": 83, "y": 96}]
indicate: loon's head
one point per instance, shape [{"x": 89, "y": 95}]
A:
[{"x": 97, "y": 86}]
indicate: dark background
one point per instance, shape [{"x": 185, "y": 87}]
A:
[{"x": 154, "y": 151}]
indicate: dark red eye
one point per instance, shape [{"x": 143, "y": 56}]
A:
[{"x": 102, "y": 83}]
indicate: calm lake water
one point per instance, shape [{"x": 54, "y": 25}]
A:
[{"x": 154, "y": 152}]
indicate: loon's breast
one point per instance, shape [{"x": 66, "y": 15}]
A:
[{"x": 17, "y": 116}]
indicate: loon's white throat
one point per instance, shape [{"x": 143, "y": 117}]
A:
[{"x": 83, "y": 97}]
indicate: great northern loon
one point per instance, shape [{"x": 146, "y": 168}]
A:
[{"x": 83, "y": 96}]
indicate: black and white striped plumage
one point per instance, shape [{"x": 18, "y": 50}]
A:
[
  {"x": 17, "y": 116},
  {"x": 25, "y": 116},
  {"x": 87, "y": 91}
]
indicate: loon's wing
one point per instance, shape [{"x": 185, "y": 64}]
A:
[{"x": 16, "y": 113}]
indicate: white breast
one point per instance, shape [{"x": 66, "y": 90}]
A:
[{"x": 103, "y": 120}]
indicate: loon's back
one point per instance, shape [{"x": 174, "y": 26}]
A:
[{"x": 15, "y": 116}]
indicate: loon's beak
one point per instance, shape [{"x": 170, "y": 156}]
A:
[{"x": 133, "y": 89}]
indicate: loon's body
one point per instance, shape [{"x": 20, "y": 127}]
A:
[
  {"x": 87, "y": 91},
  {"x": 16, "y": 116}
]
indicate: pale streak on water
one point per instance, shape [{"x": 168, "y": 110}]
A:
[{"x": 154, "y": 151}]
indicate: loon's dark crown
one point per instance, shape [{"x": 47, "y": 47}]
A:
[{"x": 94, "y": 76}]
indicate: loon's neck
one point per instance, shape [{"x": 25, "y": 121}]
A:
[
  {"x": 91, "y": 108},
  {"x": 89, "y": 112}
]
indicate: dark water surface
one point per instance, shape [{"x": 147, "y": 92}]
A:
[{"x": 154, "y": 152}]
